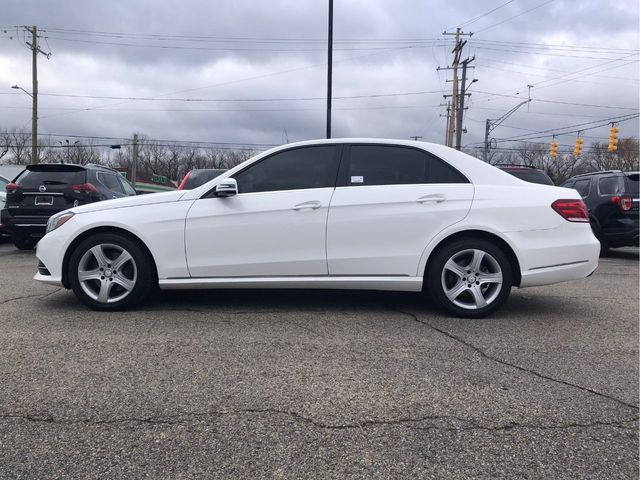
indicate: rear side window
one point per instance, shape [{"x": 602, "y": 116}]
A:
[
  {"x": 59, "y": 178},
  {"x": 299, "y": 168},
  {"x": 390, "y": 165},
  {"x": 110, "y": 181},
  {"x": 583, "y": 187},
  {"x": 610, "y": 186},
  {"x": 632, "y": 184},
  {"x": 200, "y": 177}
]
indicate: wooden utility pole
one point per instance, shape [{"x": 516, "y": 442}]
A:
[
  {"x": 35, "y": 49},
  {"x": 463, "y": 93},
  {"x": 452, "y": 124}
]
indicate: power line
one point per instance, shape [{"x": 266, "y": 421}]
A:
[
  {"x": 474, "y": 19},
  {"x": 515, "y": 16}
]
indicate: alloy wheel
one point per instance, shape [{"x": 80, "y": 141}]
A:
[
  {"x": 472, "y": 279},
  {"x": 107, "y": 273}
]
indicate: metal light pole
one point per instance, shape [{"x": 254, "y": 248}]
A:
[
  {"x": 329, "y": 67},
  {"x": 491, "y": 125},
  {"x": 34, "y": 121}
]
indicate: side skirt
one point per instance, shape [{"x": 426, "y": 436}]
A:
[{"x": 403, "y": 284}]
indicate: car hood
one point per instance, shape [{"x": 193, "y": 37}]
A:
[{"x": 133, "y": 201}]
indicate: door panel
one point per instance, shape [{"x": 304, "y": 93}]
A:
[
  {"x": 252, "y": 234},
  {"x": 383, "y": 230}
]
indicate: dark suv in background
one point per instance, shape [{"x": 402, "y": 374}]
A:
[
  {"x": 42, "y": 190},
  {"x": 612, "y": 199}
]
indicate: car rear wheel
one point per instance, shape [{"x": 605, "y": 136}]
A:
[
  {"x": 23, "y": 242},
  {"x": 469, "y": 278},
  {"x": 110, "y": 271}
]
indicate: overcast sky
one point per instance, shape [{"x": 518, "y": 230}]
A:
[{"x": 576, "y": 52}]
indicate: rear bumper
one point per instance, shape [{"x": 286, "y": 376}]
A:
[
  {"x": 626, "y": 234},
  {"x": 551, "y": 256},
  {"x": 30, "y": 226}
]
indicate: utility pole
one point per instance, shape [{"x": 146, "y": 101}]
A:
[
  {"x": 35, "y": 49},
  {"x": 491, "y": 124},
  {"x": 329, "y": 67},
  {"x": 461, "y": 97},
  {"x": 134, "y": 160},
  {"x": 454, "y": 113}
]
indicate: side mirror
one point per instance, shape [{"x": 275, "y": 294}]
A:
[{"x": 226, "y": 188}]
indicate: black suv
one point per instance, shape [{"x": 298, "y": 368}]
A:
[
  {"x": 612, "y": 199},
  {"x": 42, "y": 190}
]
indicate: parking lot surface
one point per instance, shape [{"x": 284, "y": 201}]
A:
[{"x": 255, "y": 384}]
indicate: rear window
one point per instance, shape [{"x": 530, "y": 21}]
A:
[
  {"x": 53, "y": 177},
  {"x": 632, "y": 184},
  {"x": 200, "y": 177},
  {"x": 532, "y": 176},
  {"x": 610, "y": 186}
]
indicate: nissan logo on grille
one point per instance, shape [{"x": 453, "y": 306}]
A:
[{"x": 42, "y": 188}]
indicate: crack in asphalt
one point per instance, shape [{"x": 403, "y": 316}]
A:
[
  {"x": 40, "y": 295},
  {"x": 468, "y": 425},
  {"x": 512, "y": 365}
]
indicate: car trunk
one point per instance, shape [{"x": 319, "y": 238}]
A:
[{"x": 42, "y": 190}]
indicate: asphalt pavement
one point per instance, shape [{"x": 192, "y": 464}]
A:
[{"x": 320, "y": 384}]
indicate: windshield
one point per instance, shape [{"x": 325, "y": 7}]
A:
[{"x": 200, "y": 177}]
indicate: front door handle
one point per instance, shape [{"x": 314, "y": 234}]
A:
[
  {"x": 313, "y": 205},
  {"x": 437, "y": 198}
]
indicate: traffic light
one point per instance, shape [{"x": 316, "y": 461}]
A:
[
  {"x": 553, "y": 151},
  {"x": 577, "y": 150},
  {"x": 613, "y": 139}
]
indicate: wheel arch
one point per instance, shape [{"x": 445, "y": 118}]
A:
[
  {"x": 102, "y": 229},
  {"x": 483, "y": 234}
]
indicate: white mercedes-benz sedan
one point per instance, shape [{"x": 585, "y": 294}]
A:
[{"x": 334, "y": 214}]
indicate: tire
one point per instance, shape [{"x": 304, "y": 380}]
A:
[
  {"x": 24, "y": 243},
  {"x": 110, "y": 271},
  {"x": 469, "y": 295}
]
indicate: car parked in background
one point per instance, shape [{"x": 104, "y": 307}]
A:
[
  {"x": 42, "y": 190},
  {"x": 340, "y": 213},
  {"x": 526, "y": 173},
  {"x": 195, "y": 178},
  {"x": 3, "y": 198},
  {"x": 611, "y": 197}
]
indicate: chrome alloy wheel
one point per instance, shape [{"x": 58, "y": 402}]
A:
[
  {"x": 107, "y": 273},
  {"x": 472, "y": 279}
]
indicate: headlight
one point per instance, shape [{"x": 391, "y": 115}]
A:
[{"x": 58, "y": 220}]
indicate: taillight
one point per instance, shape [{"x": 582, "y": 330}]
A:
[
  {"x": 624, "y": 202},
  {"x": 11, "y": 187},
  {"x": 571, "y": 210},
  {"x": 184, "y": 180},
  {"x": 84, "y": 188}
]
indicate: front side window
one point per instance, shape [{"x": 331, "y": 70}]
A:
[
  {"x": 128, "y": 189},
  {"x": 110, "y": 181},
  {"x": 299, "y": 168},
  {"x": 391, "y": 165},
  {"x": 583, "y": 187},
  {"x": 610, "y": 186}
]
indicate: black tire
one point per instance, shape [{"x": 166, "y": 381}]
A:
[
  {"x": 24, "y": 243},
  {"x": 141, "y": 264},
  {"x": 496, "y": 293}
]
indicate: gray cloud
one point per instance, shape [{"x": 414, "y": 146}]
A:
[{"x": 226, "y": 69}]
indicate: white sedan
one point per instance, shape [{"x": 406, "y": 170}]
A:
[{"x": 332, "y": 214}]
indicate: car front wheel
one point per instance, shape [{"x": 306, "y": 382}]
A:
[
  {"x": 469, "y": 278},
  {"x": 110, "y": 271}
]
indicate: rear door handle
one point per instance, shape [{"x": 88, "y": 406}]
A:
[
  {"x": 313, "y": 205},
  {"x": 437, "y": 198}
]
